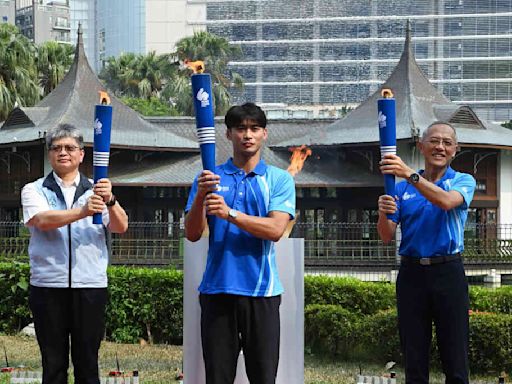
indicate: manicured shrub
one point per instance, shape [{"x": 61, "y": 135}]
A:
[
  {"x": 14, "y": 310},
  {"x": 490, "y": 342},
  {"x": 497, "y": 300},
  {"x": 355, "y": 295},
  {"x": 330, "y": 329},
  {"x": 145, "y": 303}
]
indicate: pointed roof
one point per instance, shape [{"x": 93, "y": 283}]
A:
[
  {"x": 73, "y": 101},
  {"x": 418, "y": 104}
]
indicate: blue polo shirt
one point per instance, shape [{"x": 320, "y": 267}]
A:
[
  {"x": 239, "y": 263},
  {"x": 427, "y": 230}
]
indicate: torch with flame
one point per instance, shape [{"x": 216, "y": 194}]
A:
[
  {"x": 203, "y": 106},
  {"x": 387, "y": 132},
  {"x": 101, "y": 152}
]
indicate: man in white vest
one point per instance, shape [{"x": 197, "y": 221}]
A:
[{"x": 69, "y": 258}]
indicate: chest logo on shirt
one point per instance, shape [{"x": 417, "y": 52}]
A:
[{"x": 408, "y": 196}]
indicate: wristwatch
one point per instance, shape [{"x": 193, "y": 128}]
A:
[
  {"x": 112, "y": 201},
  {"x": 413, "y": 178},
  {"x": 232, "y": 214}
]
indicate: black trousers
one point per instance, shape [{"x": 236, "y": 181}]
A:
[
  {"x": 230, "y": 323},
  {"x": 61, "y": 313},
  {"x": 436, "y": 293}
]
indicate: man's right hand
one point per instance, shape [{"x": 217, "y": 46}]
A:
[
  {"x": 387, "y": 204},
  {"x": 94, "y": 205},
  {"x": 206, "y": 182}
]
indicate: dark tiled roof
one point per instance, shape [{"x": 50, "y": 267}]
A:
[
  {"x": 323, "y": 168},
  {"x": 73, "y": 100}
]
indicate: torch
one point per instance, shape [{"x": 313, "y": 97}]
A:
[
  {"x": 387, "y": 133},
  {"x": 205, "y": 124},
  {"x": 101, "y": 152}
]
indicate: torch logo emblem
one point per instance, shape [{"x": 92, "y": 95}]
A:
[
  {"x": 382, "y": 120},
  {"x": 97, "y": 127},
  {"x": 203, "y": 97}
]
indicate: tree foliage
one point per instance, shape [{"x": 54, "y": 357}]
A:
[
  {"x": 53, "y": 62},
  {"x": 18, "y": 71},
  {"x": 216, "y": 53},
  {"x": 162, "y": 76}
]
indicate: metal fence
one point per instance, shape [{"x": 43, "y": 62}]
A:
[{"x": 328, "y": 246}]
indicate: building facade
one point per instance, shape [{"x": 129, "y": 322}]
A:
[
  {"x": 323, "y": 53},
  {"x": 43, "y": 22},
  {"x": 7, "y": 11},
  {"x": 139, "y": 26}
]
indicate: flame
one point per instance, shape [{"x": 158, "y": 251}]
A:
[
  {"x": 104, "y": 99},
  {"x": 299, "y": 156},
  {"x": 196, "y": 66},
  {"x": 386, "y": 93}
]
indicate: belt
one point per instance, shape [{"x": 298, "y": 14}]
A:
[{"x": 429, "y": 260}]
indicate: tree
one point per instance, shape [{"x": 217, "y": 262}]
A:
[
  {"x": 508, "y": 124},
  {"x": 18, "y": 72},
  {"x": 150, "y": 107},
  {"x": 216, "y": 52},
  {"x": 133, "y": 75},
  {"x": 53, "y": 62}
]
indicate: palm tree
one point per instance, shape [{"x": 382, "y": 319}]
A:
[
  {"x": 112, "y": 73},
  {"x": 53, "y": 62},
  {"x": 18, "y": 73},
  {"x": 136, "y": 75},
  {"x": 216, "y": 52}
]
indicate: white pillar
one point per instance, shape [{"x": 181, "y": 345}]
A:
[
  {"x": 290, "y": 262},
  {"x": 505, "y": 187}
]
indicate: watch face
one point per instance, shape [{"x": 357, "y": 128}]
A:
[
  {"x": 232, "y": 213},
  {"x": 414, "y": 178}
]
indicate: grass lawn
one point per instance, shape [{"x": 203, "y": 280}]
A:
[{"x": 156, "y": 363}]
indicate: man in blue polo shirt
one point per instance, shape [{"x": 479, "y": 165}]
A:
[
  {"x": 247, "y": 205},
  {"x": 431, "y": 207}
]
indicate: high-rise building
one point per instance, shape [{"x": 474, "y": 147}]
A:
[
  {"x": 42, "y": 22},
  {"x": 320, "y": 54},
  {"x": 137, "y": 26},
  {"x": 7, "y": 11},
  {"x": 82, "y": 12}
]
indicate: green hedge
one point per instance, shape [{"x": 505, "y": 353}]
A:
[
  {"x": 144, "y": 303},
  {"x": 343, "y": 316},
  {"x": 375, "y": 337},
  {"x": 358, "y": 296},
  {"x": 497, "y": 300}
]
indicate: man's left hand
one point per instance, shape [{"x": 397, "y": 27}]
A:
[
  {"x": 215, "y": 205},
  {"x": 103, "y": 188},
  {"x": 394, "y": 165}
]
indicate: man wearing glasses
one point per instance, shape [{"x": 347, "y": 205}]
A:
[
  {"x": 69, "y": 258},
  {"x": 249, "y": 205},
  {"x": 431, "y": 207}
]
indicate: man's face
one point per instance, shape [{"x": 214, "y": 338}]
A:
[
  {"x": 439, "y": 146},
  {"x": 247, "y": 138},
  {"x": 65, "y": 155}
]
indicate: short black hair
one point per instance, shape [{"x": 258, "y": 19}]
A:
[{"x": 248, "y": 111}]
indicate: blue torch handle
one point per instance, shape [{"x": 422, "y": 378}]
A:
[
  {"x": 101, "y": 152},
  {"x": 205, "y": 122}
]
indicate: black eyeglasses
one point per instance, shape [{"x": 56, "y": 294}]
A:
[{"x": 67, "y": 148}]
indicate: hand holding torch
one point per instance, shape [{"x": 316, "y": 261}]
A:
[
  {"x": 387, "y": 133},
  {"x": 101, "y": 152}
]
